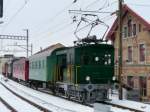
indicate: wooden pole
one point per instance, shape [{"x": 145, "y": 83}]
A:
[{"x": 120, "y": 49}]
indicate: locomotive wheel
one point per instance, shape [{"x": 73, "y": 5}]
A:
[
  {"x": 68, "y": 95},
  {"x": 82, "y": 98}
]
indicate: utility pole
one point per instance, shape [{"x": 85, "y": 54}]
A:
[
  {"x": 120, "y": 49},
  {"x": 18, "y": 38},
  {"x": 27, "y": 39},
  {"x": 31, "y": 49}
]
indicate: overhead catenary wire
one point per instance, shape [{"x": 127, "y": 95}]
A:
[
  {"x": 49, "y": 29},
  {"x": 108, "y": 5},
  {"x": 94, "y": 2},
  {"x": 14, "y": 15},
  {"x": 139, "y": 5},
  {"x": 49, "y": 34},
  {"x": 104, "y": 5},
  {"x": 51, "y": 19},
  {"x": 56, "y": 31}
]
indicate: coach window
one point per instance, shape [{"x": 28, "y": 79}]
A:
[
  {"x": 32, "y": 65},
  {"x": 36, "y": 65},
  {"x": 39, "y": 64},
  {"x": 43, "y": 63}
]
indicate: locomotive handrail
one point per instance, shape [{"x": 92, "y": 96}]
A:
[{"x": 76, "y": 73}]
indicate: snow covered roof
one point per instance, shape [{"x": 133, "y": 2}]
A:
[
  {"x": 139, "y": 13},
  {"x": 47, "y": 51}
]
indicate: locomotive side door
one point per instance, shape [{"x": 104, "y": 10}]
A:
[{"x": 61, "y": 67}]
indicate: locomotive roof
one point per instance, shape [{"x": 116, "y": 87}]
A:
[{"x": 47, "y": 51}]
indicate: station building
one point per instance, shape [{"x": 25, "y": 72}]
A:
[
  {"x": 4, "y": 59},
  {"x": 135, "y": 49}
]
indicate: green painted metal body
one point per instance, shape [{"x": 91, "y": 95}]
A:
[
  {"x": 38, "y": 69},
  {"x": 100, "y": 71},
  {"x": 74, "y": 64}
]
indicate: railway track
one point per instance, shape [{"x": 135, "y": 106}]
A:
[
  {"x": 48, "y": 92},
  {"x": 64, "y": 97},
  {"x": 24, "y": 99},
  {"x": 106, "y": 103},
  {"x": 120, "y": 106},
  {"x": 60, "y": 109},
  {"x": 45, "y": 110},
  {"x": 9, "y": 107}
]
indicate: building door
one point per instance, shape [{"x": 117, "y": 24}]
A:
[{"x": 143, "y": 86}]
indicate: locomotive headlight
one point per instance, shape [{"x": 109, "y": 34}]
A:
[
  {"x": 96, "y": 59},
  {"x": 88, "y": 78},
  {"x": 114, "y": 78}
]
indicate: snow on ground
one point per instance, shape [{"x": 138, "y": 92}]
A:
[
  {"x": 50, "y": 102},
  {"x": 133, "y": 104},
  {"x": 56, "y": 104},
  {"x": 3, "y": 108},
  {"x": 107, "y": 108},
  {"x": 114, "y": 109},
  {"x": 14, "y": 101}
]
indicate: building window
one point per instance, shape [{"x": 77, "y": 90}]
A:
[
  {"x": 130, "y": 81},
  {"x": 139, "y": 27},
  {"x": 142, "y": 52},
  {"x": 134, "y": 29},
  {"x": 129, "y": 54},
  {"x": 125, "y": 32},
  {"x": 143, "y": 86},
  {"x": 129, "y": 27}
]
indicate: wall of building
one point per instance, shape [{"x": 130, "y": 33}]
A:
[
  {"x": 2, "y": 61},
  {"x": 135, "y": 68}
]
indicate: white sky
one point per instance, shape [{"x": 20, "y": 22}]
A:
[{"x": 49, "y": 22}]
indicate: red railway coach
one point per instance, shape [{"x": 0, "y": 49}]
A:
[{"x": 21, "y": 69}]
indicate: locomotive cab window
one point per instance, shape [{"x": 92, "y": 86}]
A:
[{"x": 86, "y": 59}]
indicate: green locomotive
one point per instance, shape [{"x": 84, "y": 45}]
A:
[{"x": 82, "y": 72}]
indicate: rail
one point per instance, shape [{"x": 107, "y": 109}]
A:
[
  {"x": 28, "y": 101},
  {"x": 12, "y": 109}
]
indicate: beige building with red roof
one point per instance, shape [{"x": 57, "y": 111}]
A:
[{"x": 136, "y": 51}]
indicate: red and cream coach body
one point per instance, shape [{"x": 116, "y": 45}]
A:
[{"x": 21, "y": 69}]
